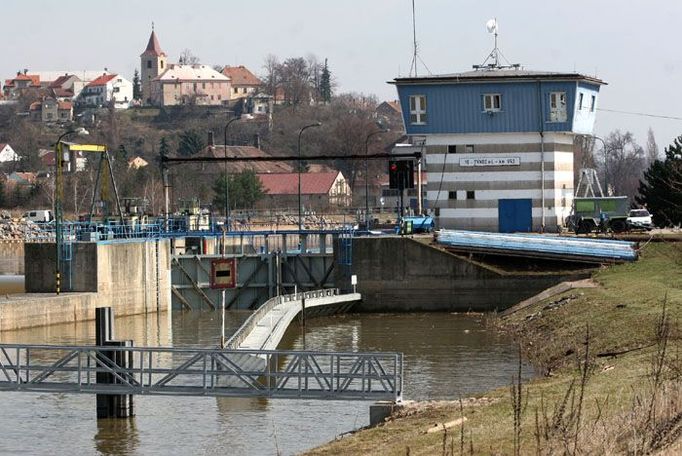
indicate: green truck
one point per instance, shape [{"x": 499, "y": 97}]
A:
[{"x": 599, "y": 214}]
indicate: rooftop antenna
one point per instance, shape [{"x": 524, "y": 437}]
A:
[
  {"x": 415, "y": 49},
  {"x": 493, "y": 61}
]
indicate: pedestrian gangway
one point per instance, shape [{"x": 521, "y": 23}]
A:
[{"x": 125, "y": 370}]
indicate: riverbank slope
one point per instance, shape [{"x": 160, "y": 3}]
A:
[{"x": 610, "y": 376}]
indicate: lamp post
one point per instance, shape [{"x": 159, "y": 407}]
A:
[
  {"x": 367, "y": 174},
  {"x": 316, "y": 124},
  {"x": 58, "y": 158},
  {"x": 227, "y": 181}
]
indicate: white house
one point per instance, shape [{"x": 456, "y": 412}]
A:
[
  {"x": 7, "y": 154},
  {"x": 107, "y": 88}
]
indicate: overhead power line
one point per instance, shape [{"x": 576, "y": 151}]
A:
[{"x": 642, "y": 114}]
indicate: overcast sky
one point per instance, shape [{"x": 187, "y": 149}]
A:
[{"x": 631, "y": 44}]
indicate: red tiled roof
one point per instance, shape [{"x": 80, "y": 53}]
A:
[
  {"x": 62, "y": 93},
  {"x": 64, "y": 105},
  {"x": 102, "y": 80},
  {"x": 28, "y": 177},
  {"x": 245, "y": 151},
  {"x": 34, "y": 78},
  {"x": 153, "y": 46},
  {"x": 35, "y": 106},
  {"x": 240, "y": 75},
  {"x": 59, "y": 81},
  {"x": 2, "y": 145},
  {"x": 287, "y": 183}
]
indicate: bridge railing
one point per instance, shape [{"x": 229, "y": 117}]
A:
[
  {"x": 202, "y": 372},
  {"x": 248, "y": 326}
]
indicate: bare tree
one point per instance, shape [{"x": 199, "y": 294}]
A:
[
  {"x": 652, "y": 153},
  {"x": 271, "y": 76},
  {"x": 625, "y": 163},
  {"x": 188, "y": 58}
]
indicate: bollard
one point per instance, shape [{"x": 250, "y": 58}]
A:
[{"x": 111, "y": 405}]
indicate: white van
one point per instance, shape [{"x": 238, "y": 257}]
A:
[{"x": 38, "y": 216}]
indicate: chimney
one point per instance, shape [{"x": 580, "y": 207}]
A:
[
  {"x": 256, "y": 141},
  {"x": 211, "y": 141}
]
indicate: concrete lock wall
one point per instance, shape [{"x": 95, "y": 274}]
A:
[
  {"x": 401, "y": 274},
  {"x": 12, "y": 257},
  {"x": 133, "y": 277}
]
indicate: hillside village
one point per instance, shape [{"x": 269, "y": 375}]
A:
[{"x": 183, "y": 109}]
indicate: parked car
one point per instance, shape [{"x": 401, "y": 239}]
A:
[{"x": 640, "y": 219}]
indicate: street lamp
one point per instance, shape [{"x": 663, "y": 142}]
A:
[
  {"x": 227, "y": 181},
  {"x": 367, "y": 174},
  {"x": 316, "y": 124},
  {"x": 58, "y": 158}
]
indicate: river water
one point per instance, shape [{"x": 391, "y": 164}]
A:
[{"x": 446, "y": 355}]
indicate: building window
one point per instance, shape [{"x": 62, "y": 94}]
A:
[
  {"x": 203, "y": 85},
  {"x": 452, "y": 194},
  {"x": 592, "y": 103},
  {"x": 220, "y": 97},
  {"x": 149, "y": 63},
  {"x": 469, "y": 148},
  {"x": 492, "y": 102},
  {"x": 194, "y": 86},
  {"x": 471, "y": 194},
  {"x": 557, "y": 107},
  {"x": 234, "y": 90},
  {"x": 418, "y": 109},
  {"x": 452, "y": 149},
  {"x": 580, "y": 102},
  {"x": 161, "y": 63}
]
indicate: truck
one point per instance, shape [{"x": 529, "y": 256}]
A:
[
  {"x": 415, "y": 224},
  {"x": 599, "y": 214},
  {"x": 38, "y": 216}
]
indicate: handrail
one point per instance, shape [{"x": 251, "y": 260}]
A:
[{"x": 248, "y": 326}]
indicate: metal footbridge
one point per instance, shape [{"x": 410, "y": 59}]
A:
[{"x": 201, "y": 372}]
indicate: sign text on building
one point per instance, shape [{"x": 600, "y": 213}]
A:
[{"x": 497, "y": 161}]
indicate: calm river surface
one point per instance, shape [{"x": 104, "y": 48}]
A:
[{"x": 446, "y": 355}]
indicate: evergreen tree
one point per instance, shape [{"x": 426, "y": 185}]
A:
[
  {"x": 137, "y": 88},
  {"x": 190, "y": 143},
  {"x": 245, "y": 190},
  {"x": 326, "y": 84},
  {"x": 661, "y": 188},
  {"x": 164, "y": 148}
]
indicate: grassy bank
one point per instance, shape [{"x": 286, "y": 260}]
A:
[{"x": 611, "y": 377}]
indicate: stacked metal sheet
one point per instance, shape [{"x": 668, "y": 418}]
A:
[{"x": 539, "y": 246}]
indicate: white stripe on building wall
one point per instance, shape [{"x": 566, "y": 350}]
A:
[
  {"x": 506, "y": 176},
  {"x": 496, "y": 138},
  {"x": 486, "y": 213}
]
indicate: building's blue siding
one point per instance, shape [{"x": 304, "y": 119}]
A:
[{"x": 458, "y": 107}]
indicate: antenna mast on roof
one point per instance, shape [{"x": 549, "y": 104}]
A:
[
  {"x": 415, "y": 52},
  {"x": 492, "y": 62}
]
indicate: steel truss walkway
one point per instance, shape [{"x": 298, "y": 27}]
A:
[{"x": 201, "y": 372}]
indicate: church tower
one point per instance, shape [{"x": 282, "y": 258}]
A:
[{"x": 152, "y": 64}]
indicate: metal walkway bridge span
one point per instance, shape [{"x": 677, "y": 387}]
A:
[
  {"x": 201, "y": 372},
  {"x": 264, "y": 329}
]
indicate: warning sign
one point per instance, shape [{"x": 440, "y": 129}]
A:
[{"x": 224, "y": 273}]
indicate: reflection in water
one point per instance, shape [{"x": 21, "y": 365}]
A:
[
  {"x": 117, "y": 437},
  {"x": 446, "y": 355}
]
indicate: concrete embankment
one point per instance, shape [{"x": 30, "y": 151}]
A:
[
  {"x": 402, "y": 274},
  {"x": 133, "y": 277}
]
